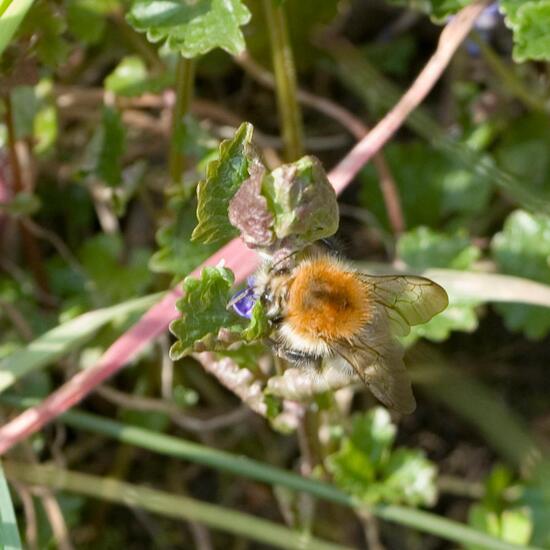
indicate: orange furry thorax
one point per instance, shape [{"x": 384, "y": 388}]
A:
[{"x": 327, "y": 301}]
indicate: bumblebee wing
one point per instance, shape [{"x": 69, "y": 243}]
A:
[
  {"x": 407, "y": 299},
  {"x": 382, "y": 370}
]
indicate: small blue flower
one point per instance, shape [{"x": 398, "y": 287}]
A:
[{"x": 243, "y": 301}]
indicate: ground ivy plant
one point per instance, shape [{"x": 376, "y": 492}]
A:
[{"x": 282, "y": 210}]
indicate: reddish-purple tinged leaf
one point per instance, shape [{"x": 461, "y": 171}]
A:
[{"x": 248, "y": 210}]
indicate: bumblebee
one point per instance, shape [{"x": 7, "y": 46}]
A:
[{"x": 322, "y": 309}]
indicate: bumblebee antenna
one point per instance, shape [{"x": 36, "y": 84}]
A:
[{"x": 284, "y": 258}]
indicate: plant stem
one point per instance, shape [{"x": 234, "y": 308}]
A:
[
  {"x": 449, "y": 40},
  {"x": 252, "y": 469},
  {"x": 353, "y": 124},
  {"x": 285, "y": 76},
  {"x": 185, "y": 79},
  {"x": 31, "y": 248},
  {"x": 52, "y": 345},
  {"x": 380, "y": 93},
  {"x": 166, "y": 504}
]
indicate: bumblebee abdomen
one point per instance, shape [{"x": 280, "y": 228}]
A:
[{"x": 327, "y": 301}]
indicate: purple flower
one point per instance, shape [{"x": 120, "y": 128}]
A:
[{"x": 243, "y": 301}]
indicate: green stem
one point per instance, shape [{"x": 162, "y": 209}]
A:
[
  {"x": 508, "y": 76},
  {"x": 285, "y": 78},
  {"x": 252, "y": 469},
  {"x": 185, "y": 79},
  {"x": 166, "y": 504}
]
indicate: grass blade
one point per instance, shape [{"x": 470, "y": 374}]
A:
[
  {"x": 9, "y": 534},
  {"x": 166, "y": 504},
  {"x": 252, "y": 469},
  {"x": 55, "y": 343},
  {"x": 11, "y": 18}
]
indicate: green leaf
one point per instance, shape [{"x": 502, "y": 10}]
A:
[
  {"x": 130, "y": 78},
  {"x": 295, "y": 204},
  {"x": 302, "y": 200},
  {"x": 87, "y": 19},
  {"x": 205, "y": 320},
  {"x": 510, "y": 9},
  {"x": 373, "y": 434},
  {"x": 496, "y": 484},
  {"x": 47, "y": 24},
  {"x": 178, "y": 254},
  {"x": 516, "y": 526},
  {"x": 249, "y": 210},
  {"x": 523, "y": 248},
  {"x": 366, "y": 466},
  {"x": 530, "y": 23},
  {"x": 259, "y": 324},
  {"x": 224, "y": 176},
  {"x": 104, "y": 153},
  {"x": 128, "y": 75},
  {"x": 355, "y": 465},
  {"x": 192, "y": 27},
  {"x": 424, "y": 248},
  {"x": 483, "y": 519},
  {"x": 498, "y": 515},
  {"x": 524, "y": 150},
  {"x": 45, "y": 129},
  {"x": 409, "y": 477},
  {"x": 433, "y": 188},
  {"x": 117, "y": 274}
]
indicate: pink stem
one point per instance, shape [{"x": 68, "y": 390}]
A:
[
  {"x": 449, "y": 40},
  {"x": 237, "y": 257},
  {"x": 153, "y": 323}
]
